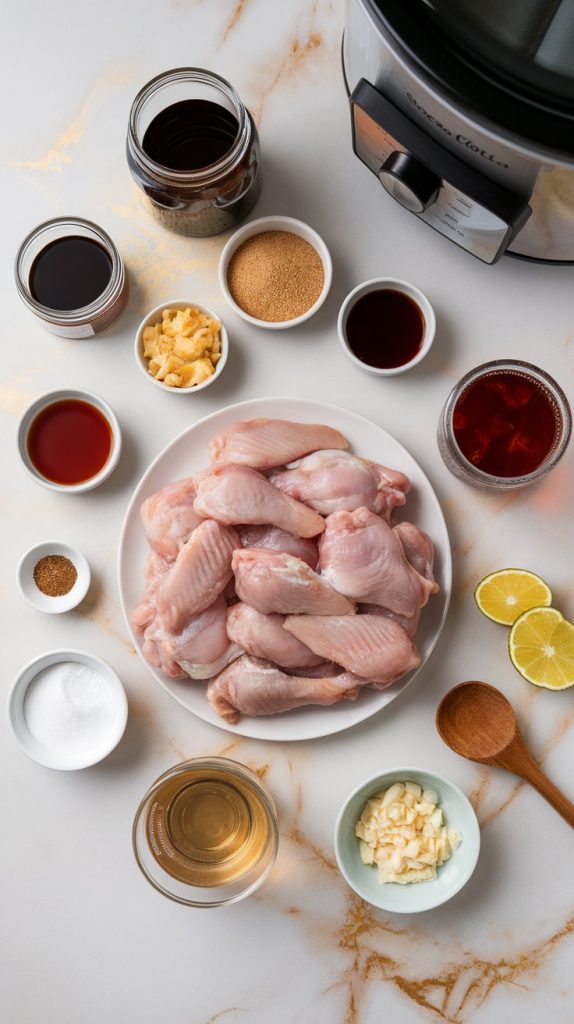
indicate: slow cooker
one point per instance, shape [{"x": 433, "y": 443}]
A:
[{"x": 464, "y": 109}]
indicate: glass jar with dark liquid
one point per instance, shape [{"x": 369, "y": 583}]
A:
[
  {"x": 71, "y": 276},
  {"x": 193, "y": 149},
  {"x": 504, "y": 425}
]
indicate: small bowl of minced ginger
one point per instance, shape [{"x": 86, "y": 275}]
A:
[
  {"x": 407, "y": 840},
  {"x": 181, "y": 347}
]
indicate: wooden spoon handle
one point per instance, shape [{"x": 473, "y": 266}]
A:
[{"x": 533, "y": 774}]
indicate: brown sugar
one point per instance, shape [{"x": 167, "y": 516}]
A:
[
  {"x": 55, "y": 575},
  {"x": 275, "y": 276}
]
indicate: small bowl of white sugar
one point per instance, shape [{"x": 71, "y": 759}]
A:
[{"x": 67, "y": 709}]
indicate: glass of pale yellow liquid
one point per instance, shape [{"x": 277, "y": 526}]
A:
[{"x": 206, "y": 833}]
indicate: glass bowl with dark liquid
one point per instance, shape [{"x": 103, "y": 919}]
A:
[
  {"x": 205, "y": 833},
  {"x": 504, "y": 425},
  {"x": 70, "y": 274},
  {"x": 193, "y": 149}
]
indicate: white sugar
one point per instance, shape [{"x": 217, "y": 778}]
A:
[{"x": 70, "y": 707}]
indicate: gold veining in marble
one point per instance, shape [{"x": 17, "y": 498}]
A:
[
  {"x": 223, "y": 1013},
  {"x": 229, "y": 748},
  {"x": 14, "y": 400},
  {"x": 99, "y": 608},
  {"x": 16, "y": 394},
  {"x": 372, "y": 948},
  {"x": 302, "y": 47},
  {"x": 480, "y": 791},
  {"x": 159, "y": 261},
  {"x": 236, "y": 14},
  {"x": 60, "y": 152},
  {"x": 380, "y": 952}
]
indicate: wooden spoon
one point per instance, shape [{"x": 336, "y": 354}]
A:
[{"x": 476, "y": 721}]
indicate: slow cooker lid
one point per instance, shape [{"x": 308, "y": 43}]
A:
[
  {"x": 509, "y": 60},
  {"x": 528, "y": 43}
]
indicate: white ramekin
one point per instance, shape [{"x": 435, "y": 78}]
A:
[
  {"x": 33, "y": 594},
  {"x": 62, "y": 395},
  {"x": 52, "y": 757},
  {"x": 389, "y": 284},
  {"x": 152, "y": 318},
  {"x": 256, "y": 227}
]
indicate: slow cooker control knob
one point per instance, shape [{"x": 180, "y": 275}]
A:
[{"x": 408, "y": 181}]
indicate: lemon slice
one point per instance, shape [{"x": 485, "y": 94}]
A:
[
  {"x": 541, "y": 647},
  {"x": 504, "y": 595}
]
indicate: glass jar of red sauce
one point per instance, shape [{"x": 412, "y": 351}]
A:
[
  {"x": 504, "y": 425},
  {"x": 193, "y": 149}
]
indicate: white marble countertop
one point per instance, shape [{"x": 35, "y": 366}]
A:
[{"x": 85, "y": 939}]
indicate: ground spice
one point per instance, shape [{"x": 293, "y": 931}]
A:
[
  {"x": 55, "y": 575},
  {"x": 275, "y": 276}
]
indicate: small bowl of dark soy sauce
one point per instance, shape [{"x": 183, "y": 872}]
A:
[{"x": 386, "y": 326}]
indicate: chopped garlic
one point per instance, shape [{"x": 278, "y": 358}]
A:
[{"x": 402, "y": 832}]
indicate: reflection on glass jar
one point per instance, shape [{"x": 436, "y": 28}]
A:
[
  {"x": 504, "y": 425},
  {"x": 193, "y": 149}
]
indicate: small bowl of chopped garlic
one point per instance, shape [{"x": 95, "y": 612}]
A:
[
  {"x": 407, "y": 840},
  {"x": 181, "y": 347}
]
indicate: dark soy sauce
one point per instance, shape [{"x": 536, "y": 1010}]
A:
[
  {"x": 385, "y": 328},
  {"x": 190, "y": 135},
  {"x": 70, "y": 273}
]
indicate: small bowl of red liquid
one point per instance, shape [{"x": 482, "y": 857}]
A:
[
  {"x": 504, "y": 425},
  {"x": 386, "y": 326},
  {"x": 69, "y": 440}
]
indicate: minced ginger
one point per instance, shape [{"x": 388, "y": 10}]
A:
[
  {"x": 183, "y": 348},
  {"x": 402, "y": 831}
]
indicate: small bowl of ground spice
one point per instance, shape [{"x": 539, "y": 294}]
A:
[
  {"x": 53, "y": 577},
  {"x": 275, "y": 272}
]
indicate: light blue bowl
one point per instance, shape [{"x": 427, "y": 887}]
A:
[{"x": 417, "y": 896}]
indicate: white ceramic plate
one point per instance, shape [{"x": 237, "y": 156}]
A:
[{"x": 187, "y": 454}]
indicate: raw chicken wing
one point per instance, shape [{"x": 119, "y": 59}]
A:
[
  {"x": 336, "y": 481},
  {"x": 272, "y": 581},
  {"x": 155, "y": 653},
  {"x": 169, "y": 517},
  {"x": 238, "y": 495},
  {"x": 253, "y": 687},
  {"x": 202, "y": 649},
  {"x": 145, "y": 618},
  {"x": 279, "y": 540},
  {"x": 408, "y": 622},
  {"x": 263, "y": 636},
  {"x": 265, "y": 443},
  {"x": 418, "y": 549},
  {"x": 362, "y": 557},
  {"x": 371, "y": 646},
  {"x": 154, "y": 572},
  {"x": 199, "y": 574}
]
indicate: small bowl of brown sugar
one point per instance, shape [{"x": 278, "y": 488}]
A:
[
  {"x": 54, "y": 577},
  {"x": 275, "y": 272}
]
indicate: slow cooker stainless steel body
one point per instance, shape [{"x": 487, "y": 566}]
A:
[{"x": 490, "y": 184}]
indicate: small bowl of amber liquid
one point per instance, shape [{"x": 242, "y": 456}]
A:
[
  {"x": 69, "y": 440},
  {"x": 205, "y": 833},
  {"x": 504, "y": 425}
]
